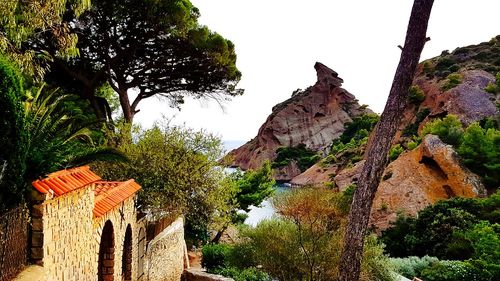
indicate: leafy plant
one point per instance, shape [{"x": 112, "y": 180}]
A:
[
  {"x": 395, "y": 151},
  {"x": 448, "y": 129},
  {"x": 412, "y": 266},
  {"x": 416, "y": 95},
  {"x": 304, "y": 242},
  {"x": 452, "y": 81},
  {"x": 304, "y": 157},
  {"x": 480, "y": 151},
  {"x": 214, "y": 256}
]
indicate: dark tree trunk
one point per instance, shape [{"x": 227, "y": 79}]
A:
[
  {"x": 376, "y": 154},
  {"x": 128, "y": 111}
]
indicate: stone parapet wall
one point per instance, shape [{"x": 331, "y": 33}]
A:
[
  {"x": 198, "y": 275},
  {"x": 68, "y": 243},
  {"x": 166, "y": 254}
]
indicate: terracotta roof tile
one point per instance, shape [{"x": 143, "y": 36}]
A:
[
  {"x": 65, "y": 181},
  {"x": 110, "y": 194}
]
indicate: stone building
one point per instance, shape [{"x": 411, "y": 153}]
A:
[{"x": 84, "y": 228}]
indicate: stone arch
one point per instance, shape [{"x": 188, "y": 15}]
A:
[
  {"x": 106, "y": 261},
  {"x": 127, "y": 255},
  {"x": 141, "y": 252}
]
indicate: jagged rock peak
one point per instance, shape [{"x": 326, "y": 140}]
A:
[{"x": 327, "y": 76}]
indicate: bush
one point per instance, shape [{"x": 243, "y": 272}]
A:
[
  {"x": 305, "y": 242},
  {"x": 353, "y": 129},
  {"x": 480, "y": 152},
  {"x": 215, "y": 256},
  {"x": 395, "y": 151},
  {"x": 247, "y": 274},
  {"x": 412, "y": 129},
  {"x": 304, "y": 157},
  {"x": 448, "y": 129},
  {"x": 455, "y": 270},
  {"x": 447, "y": 230},
  {"x": 411, "y": 267},
  {"x": 12, "y": 136},
  {"x": 416, "y": 95},
  {"x": 452, "y": 81}
]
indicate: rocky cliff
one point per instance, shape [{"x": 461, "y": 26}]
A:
[
  {"x": 313, "y": 117},
  {"x": 433, "y": 171}
]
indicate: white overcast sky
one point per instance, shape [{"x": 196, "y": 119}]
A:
[{"x": 278, "y": 42}]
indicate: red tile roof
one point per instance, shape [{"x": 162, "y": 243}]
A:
[
  {"x": 110, "y": 194},
  {"x": 65, "y": 181}
]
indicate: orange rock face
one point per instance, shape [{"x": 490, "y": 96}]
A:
[
  {"x": 421, "y": 177},
  {"x": 313, "y": 117}
]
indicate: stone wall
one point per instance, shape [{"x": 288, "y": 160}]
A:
[
  {"x": 198, "y": 275},
  {"x": 13, "y": 242},
  {"x": 68, "y": 243},
  {"x": 166, "y": 254},
  {"x": 121, "y": 216}
]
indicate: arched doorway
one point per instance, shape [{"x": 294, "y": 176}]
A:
[
  {"x": 141, "y": 253},
  {"x": 127, "y": 255},
  {"x": 106, "y": 253}
]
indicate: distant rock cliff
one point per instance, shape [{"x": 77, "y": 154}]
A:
[{"x": 313, "y": 117}]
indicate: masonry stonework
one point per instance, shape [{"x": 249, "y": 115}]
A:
[
  {"x": 166, "y": 254},
  {"x": 67, "y": 236},
  {"x": 87, "y": 229}
]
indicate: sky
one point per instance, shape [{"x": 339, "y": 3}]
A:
[{"x": 278, "y": 42}]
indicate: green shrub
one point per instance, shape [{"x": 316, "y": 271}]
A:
[
  {"x": 304, "y": 157},
  {"x": 480, "y": 152},
  {"x": 412, "y": 145},
  {"x": 455, "y": 270},
  {"x": 412, "y": 129},
  {"x": 442, "y": 230},
  {"x": 359, "y": 128},
  {"x": 411, "y": 267},
  {"x": 448, "y": 129},
  {"x": 13, "y": 137},
  {"x": 416, "y": 95},
  {"x": 395, "y": 151},
  {"x": 215, "y": 255},
  {"x": 247, "y": 274},
  {"x": 452, "y": 81}
]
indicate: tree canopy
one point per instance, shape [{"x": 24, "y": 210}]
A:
[{"x": 156, "y": 48}]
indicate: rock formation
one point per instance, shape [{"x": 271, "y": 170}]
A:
[
  {"x": 419, "y": 178},
  {"x": 313, "y": 117}
]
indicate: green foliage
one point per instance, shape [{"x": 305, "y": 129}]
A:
[
  {"x": 448, "y": 129},
  {"x": 304, "y": 157},
  {"x": 304, "y": 243},
  {"x": 254, "y": 186},
  {"x": 179, "y": 173},
  {"x": 12, "y": 154},
  {"x": 480, "y": 152},
  {"x": 214, "y": 255},
  {"x": 485, "y": 56},
  {"x": 452, "y": 81},
  {"x": 455, "y": 270},
  {"x": 348, "y": 148},
  {"x": 441, "y": 230},
  {"x": 23, "y": 22},
  {"x": 411, "y": 267},
  {"x": 412, "y": 129},
  {"x": 395, "y": 151},
  {"x": 412, "y": 145},
  {"x": 247, "y": 274},
  {"x": 359, "y": 127},
  {"x": 416, "y": 95},
  {"x": 124, "y": 41},
  {"x": 485, "y": 240}
]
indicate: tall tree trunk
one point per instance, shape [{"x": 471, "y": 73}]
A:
[
  {"x": 128, "y": 111},
  {"x": 376, "y": 154}
]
